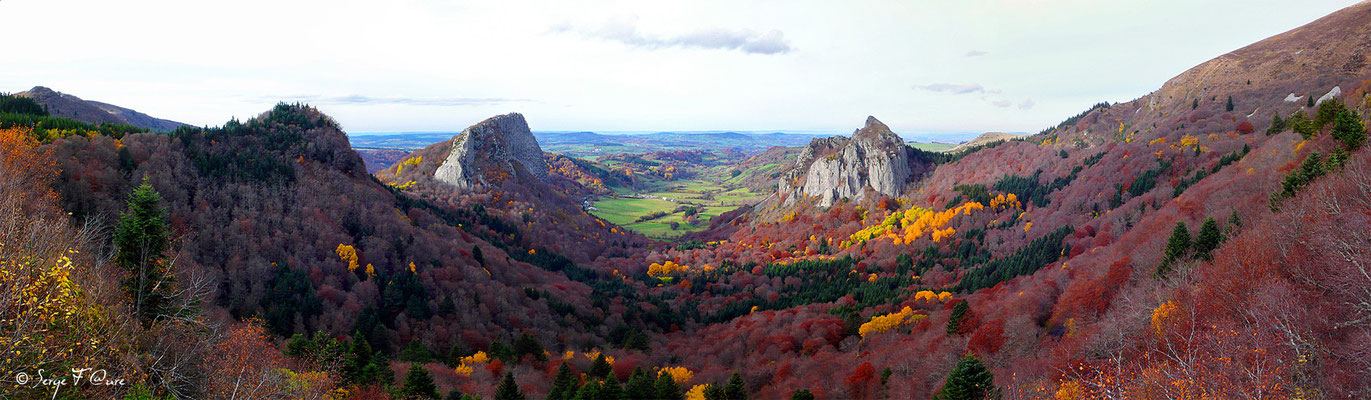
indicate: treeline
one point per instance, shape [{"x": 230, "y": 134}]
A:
[{"x": 23, "y": 112}]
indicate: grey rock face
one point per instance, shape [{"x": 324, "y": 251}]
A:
[
  {"x": 502, "y": 142},
  {"x": 839, "y": 167}
]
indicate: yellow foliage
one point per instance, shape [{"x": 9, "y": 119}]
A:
[
  {"x": 568, "y": 355},
  {"x": 671, "y": 267},
  {"x": 479, "y": 358},
  {"x": 413, "y": 270},
  {"x": 463, "y": 370},
  {"x": 696, "y": 393},
  {"x": 1160, "y": 140},
  {"x": 882, "y": 323},
  {"x": 348, "y": 255},
  {"x": 928, "y": 295},
  {"x": 1189, "y": 141},
  {"x": 1027, "y": 226},
  {"x": 1003, "y": 201},
  {"x": 1161, "y": 314},
  {"x": 1070, "y": 390},
  {"x": 371, "y": 271},
  {"x": 679, "y": 374}
]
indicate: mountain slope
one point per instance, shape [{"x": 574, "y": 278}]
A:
[{"x": 67, "y": 106}]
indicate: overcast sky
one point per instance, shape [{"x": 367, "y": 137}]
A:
[{"x": 431, "y": 65}]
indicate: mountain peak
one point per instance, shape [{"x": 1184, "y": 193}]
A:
[
  {"x": 872, "y": 121},
  {"x": 493, "y": 150}
]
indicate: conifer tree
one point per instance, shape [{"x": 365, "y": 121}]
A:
[
  {"x": 802, "y": 394},
  {"x": 969, "y": 380},
  {"x": 1277, "y": 125},
  {"x": 735, "y": 389},
  {"x": 1209, "y": 239},
  {"x": 666, "y": 387},
  {"x": 509, "y": 389},
  {"x": 419, "y": 384},
  {"x": 142, "y": 241},
  {"x": 1178, "y": 246},
  {"x": 640, "y": 385},
  {"x": 1349, "y": 130},
  {"x": 959, "y": 314},
  {"x": 1229, "y": 106},
  {"x": 564, "y": 385},
  {"x": 600, "y": 368}
]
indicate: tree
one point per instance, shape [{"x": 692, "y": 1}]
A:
[
  {"x": 416, "y": 352},
  {"x": 564, "y": 385},
  {"x": 735, "y": 389},
  {"x": 601, "y": 368},
  {"x": 666, "y": 387},
  {"x": 802, "y": 394},
  {"x": 1195, "y": 103},
  {"x": 509, "y": 389},
  {"x": 1229, "y": 106},
  {"x": 1209, "y": 239},
  {"x": 419, "y": 384},
  {"x": 640, "y": 385},
  {"x": 142, "y": 240},
  {"x": 1349, "y": 130},
  {"x": 959, "y": 314},
  {"x": 969, "y": 380},
  {"x": 1244, "y": 127},
  {"x": 527, "y": 345},
  {"x": 1277, "y": 125},
  {"x": 1177, "y": 246},
  {"x": 611, "y": 389}
]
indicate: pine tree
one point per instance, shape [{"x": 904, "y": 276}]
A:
[
  {"x": 1229, "y": 106},
  {"x": 600, "y": 368},
  {"x": 454, "y": 394},
  {"x": 1195, "y": 104},
  {"x": 1277, "y": 125},
  {"x": 1349, "y": 130},
  {"x": 416, "y": 352},
  {"x": 142, "y": 240},
  {"x": 592, "y": 390},
  {"x": 959, "y": 313},
  {"x": 714, "y": 392},
  {"x": 735, "y": 389},
  {"x": 1178, "y": 246},
  {"x": 564, "y": 385},
  {"x": 969, "y": 380},
  {"x": 1209, "y": 239},
  {"x": 419, "y": 384},
  {"x": 358, "y": 360},
  {"x": 639, "y": 385},
  {"x": 509, "y": 389},
  {"x": 802, "y": 394},
  {"x": 477, "y": 255},
  {"x": 1310, "y": 101},
  {"x": 610, "y": 389},
  {"x": 666, "y": 387},
  {"x": 1234, "y": 222},
  {"x": 526, "y": 345}
]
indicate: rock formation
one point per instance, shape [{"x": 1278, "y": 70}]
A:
[
  {"x": 837, "y": 167},
  {"x": 498, "y": 148}
]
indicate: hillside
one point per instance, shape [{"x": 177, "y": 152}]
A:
[{"x": 64, "y": 105}]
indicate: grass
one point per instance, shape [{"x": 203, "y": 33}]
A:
[{"x": 625, "y": 210}]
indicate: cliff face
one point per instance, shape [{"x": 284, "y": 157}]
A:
[
  {"x": 498, "y": 148},
  {"x": 837, "y": 167}
]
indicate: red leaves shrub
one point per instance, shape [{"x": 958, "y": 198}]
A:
[
  {"x": 988, "y": 339},
  {"x": 1245, "y": 127},
  {"x": 860, "y": 378}
]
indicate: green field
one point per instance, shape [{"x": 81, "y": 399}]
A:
[
  {"x": 933, "y": 146},
  {"x": 712, "y": 199}
]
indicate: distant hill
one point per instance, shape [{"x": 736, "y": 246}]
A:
[
  {"x": 984, "y": 139},
  {"x": 65, "y": 105}
]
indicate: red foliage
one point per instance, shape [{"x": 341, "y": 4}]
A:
[
  {"x": 1245, "y": 127},
  {"x": 860, "y": 379},
  {"x": 988, "y": 339}
]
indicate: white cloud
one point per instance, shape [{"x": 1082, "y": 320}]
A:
[
  {"x": 626, "y": 31},
  {"x": 976, "y": 53},
  {"x": 1002, "y": 103},
  {"x": 952, "y": 88},
  {"x": 1026, "y": 104}
]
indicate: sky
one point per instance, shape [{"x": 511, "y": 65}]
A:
[{"x": 926, "y": 66}]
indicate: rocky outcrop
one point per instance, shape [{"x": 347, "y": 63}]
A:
[
  {"x": 837, "y": 167},
  {"x": 498, "y": 148}
]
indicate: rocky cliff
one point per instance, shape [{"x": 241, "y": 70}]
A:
[
  {"x": 498, "y": 148},
  {"x": 837, "y": 167}
]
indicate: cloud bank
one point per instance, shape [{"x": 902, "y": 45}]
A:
[
  {"x": 952, "y": 88},
  {"x": 626, "y": 32}
]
